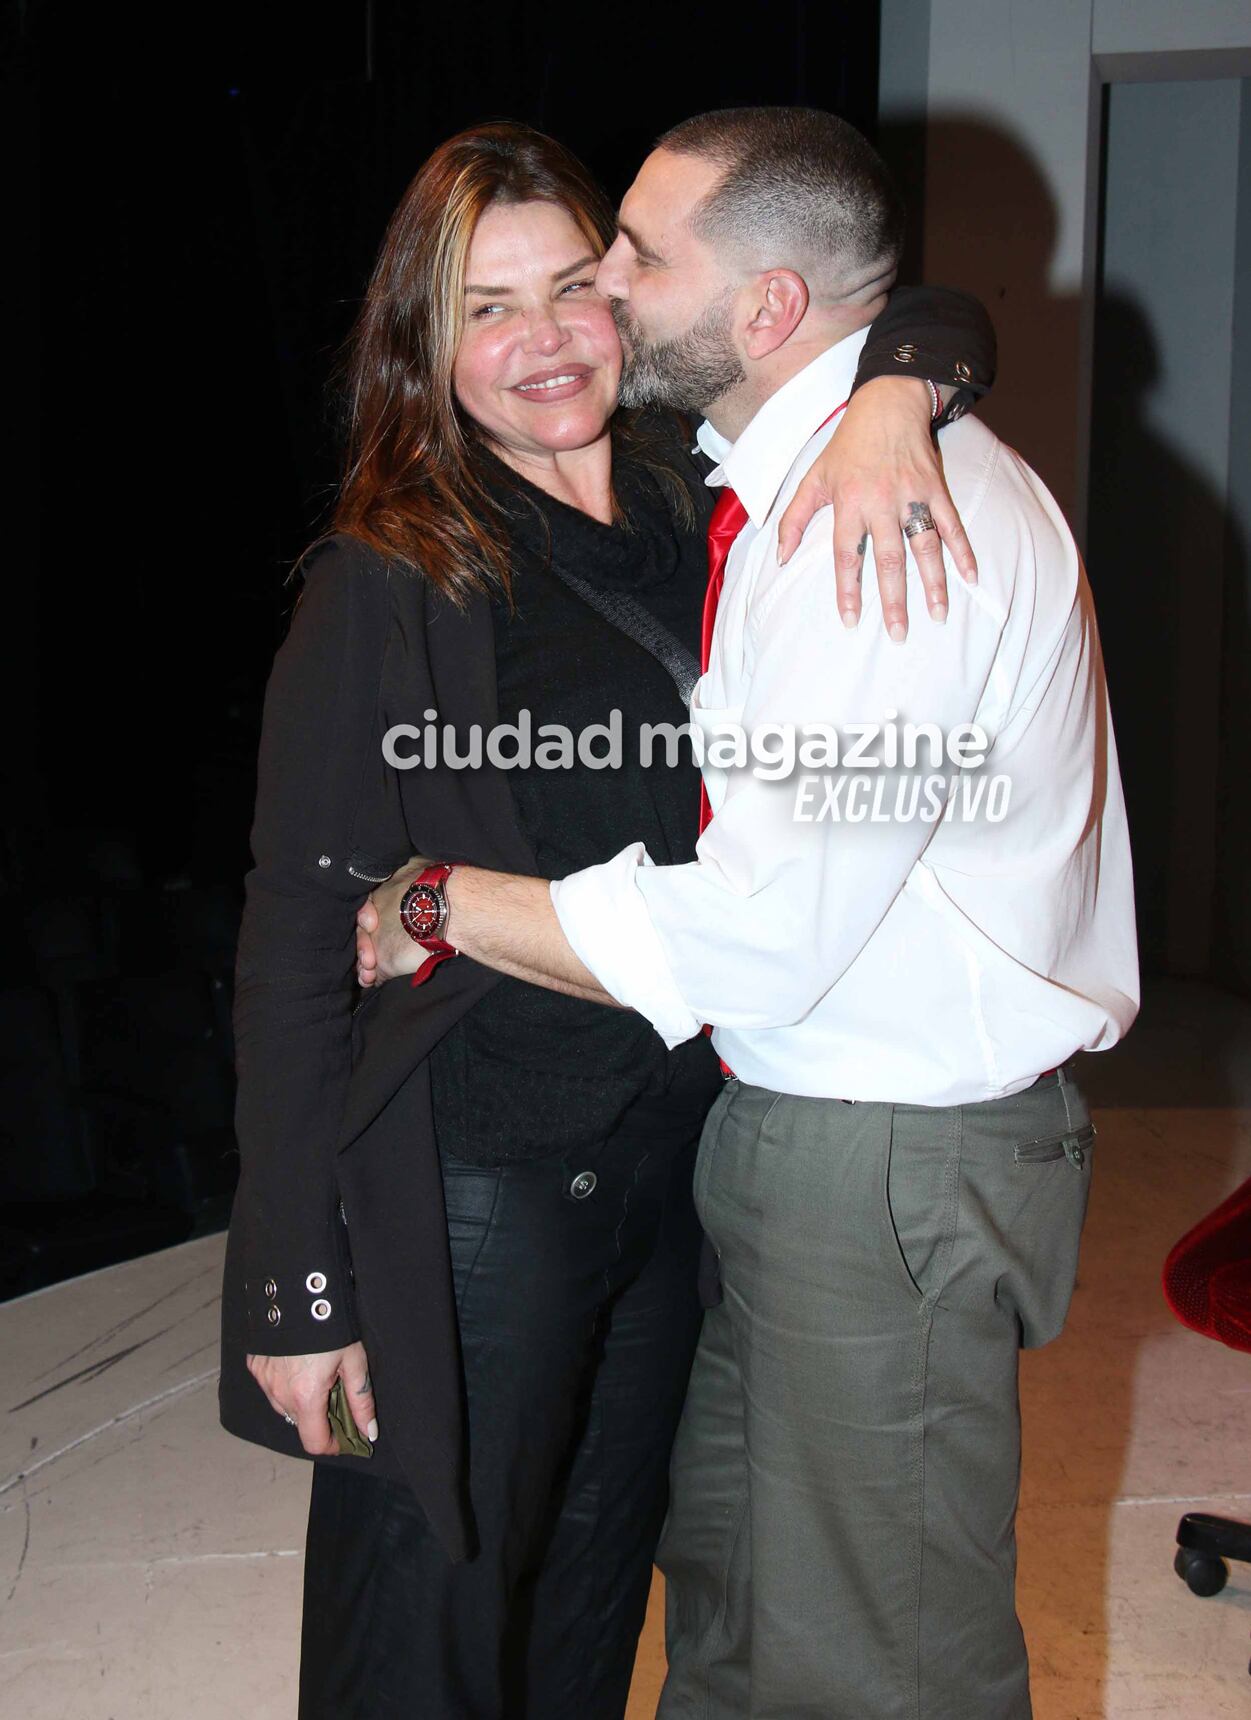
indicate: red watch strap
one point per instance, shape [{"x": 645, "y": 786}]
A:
[
  {"x": 439, "y": 952},
  {"x": 438, "y": 949}
]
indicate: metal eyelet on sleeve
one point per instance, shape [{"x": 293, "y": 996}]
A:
[
  {"x": 906, "y": 353},
  {"x": 274, "y": 1315},
  {"x": 316, "y": 1282},
  {"x": 963, "y": 372},
  {"x": 271, "y": 1289},
  {"x": 321, "y": 1309}
]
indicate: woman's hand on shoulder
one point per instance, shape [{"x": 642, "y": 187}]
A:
[
  {"x": 299, "y": 1387},
  {"x": 879, "y": 470}
]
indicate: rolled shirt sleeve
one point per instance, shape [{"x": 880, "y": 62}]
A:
[
  {"x": 605, "y": 917},
  {"x": 755, "y": 931}
]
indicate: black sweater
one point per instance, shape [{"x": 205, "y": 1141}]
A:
[{"x": 529, "y": 1071}]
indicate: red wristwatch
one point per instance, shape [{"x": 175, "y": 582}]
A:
[{"x": 423, "y": 914}]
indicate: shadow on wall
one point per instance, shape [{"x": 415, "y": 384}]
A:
[
  {"x": 996, "y": 238},
  {"x": 1156, "y": 524}
]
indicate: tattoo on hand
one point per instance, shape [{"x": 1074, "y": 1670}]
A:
[
  {"x": 916, "y": 509},
  {"x": 863, "y": 544}
]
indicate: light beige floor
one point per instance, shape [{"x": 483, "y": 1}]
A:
[{"x": 150, "y": 1565}]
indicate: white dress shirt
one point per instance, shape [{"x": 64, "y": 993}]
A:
[{"x": 938, "y": 961}]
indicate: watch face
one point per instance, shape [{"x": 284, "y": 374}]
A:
[{"x": 422, "y": 912}]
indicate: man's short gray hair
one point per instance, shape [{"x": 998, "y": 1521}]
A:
[{"x": 801, "y": 190}]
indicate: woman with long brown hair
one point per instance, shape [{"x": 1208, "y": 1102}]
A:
[{"x": 462, "y": 1263}]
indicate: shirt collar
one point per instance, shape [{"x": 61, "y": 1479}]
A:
[{"x": 755, "y": 466}]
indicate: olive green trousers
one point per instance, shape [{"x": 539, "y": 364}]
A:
[{"x": 841, "y": 1535}]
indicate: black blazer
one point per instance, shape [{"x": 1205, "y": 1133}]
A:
[
  {"x": 338, "y": 1229},
  {"x": 369, "y": 645}
]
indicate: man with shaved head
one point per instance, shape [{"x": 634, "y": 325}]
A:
[{"x": 898, "y": 956}]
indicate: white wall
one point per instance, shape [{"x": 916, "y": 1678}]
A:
[
  {"x": 1006, "y": 175},
  {"x": 1002, "y": 90},
  {"x": 1008, "y": 94},
  {"x": 1171, "y": 204},
  {"x": 1162, "y": 26}
]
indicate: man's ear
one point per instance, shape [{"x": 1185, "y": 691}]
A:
[{"x": 779, "y": 305}]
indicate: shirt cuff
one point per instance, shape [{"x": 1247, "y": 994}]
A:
[{"x": 603, "y": 914}]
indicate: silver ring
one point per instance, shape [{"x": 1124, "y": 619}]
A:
[
  {"x": 290, "y": 1420},
  {"x": 921, "y": 521}
]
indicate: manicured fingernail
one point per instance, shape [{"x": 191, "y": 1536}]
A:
[
  {"x": 971, "y": 576},
  {"x": 850, "y": 618},
  {"x": 372, "y": 1431},
  {"x": 898, "y": 632},
  {"x": 939, "y": 612},
  {"x": 784, "y": 550}
]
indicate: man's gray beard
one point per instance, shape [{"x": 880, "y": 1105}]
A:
[{"x": 689, "y": 372}]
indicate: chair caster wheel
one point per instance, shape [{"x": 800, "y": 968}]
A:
[{"x": 1202, "y": 1574}]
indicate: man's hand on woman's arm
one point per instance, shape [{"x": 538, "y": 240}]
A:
[{"x": 502, "y": 920}]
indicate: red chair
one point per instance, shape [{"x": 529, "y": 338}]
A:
[{"x": 1207, "y": 1282}]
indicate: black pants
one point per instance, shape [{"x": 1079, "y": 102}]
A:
[{"x": 576, "y": 1289}]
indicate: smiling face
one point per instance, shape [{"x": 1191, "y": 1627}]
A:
[
  {"x": 539, "y": 359},
  {"x": 673, "y": 299}
]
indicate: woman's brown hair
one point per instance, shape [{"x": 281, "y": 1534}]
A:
[{"x": 412, "y": 488}]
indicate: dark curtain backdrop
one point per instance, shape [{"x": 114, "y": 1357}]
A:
[
  {"x": 217, "y": 181},
  {"x": 196, "y": 195}
]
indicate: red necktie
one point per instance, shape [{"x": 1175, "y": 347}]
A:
[{"x": 728, "y": 519}]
